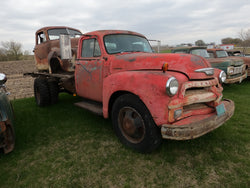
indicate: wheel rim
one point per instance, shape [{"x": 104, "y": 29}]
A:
[{"x": 131, "y": 124}]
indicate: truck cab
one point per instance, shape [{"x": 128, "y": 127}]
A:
[{"x": 48, "y": 52}]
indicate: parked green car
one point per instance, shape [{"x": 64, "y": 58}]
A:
[
  {"x": 235, "y": 68},
  {"x": 7, "y": 134}
]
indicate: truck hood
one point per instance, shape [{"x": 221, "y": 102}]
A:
[
  {"x": 225, "y": 62},
  {"x": 183, "y": 63}
]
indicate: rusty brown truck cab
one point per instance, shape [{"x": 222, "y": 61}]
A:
[
  {"x": 47, "y": 49},
  {"x": 53, "y": 63}
]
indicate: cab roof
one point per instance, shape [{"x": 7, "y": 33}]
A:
[
  {"x": 110, "y": 32},
  {"x": 55, "y": 27}
]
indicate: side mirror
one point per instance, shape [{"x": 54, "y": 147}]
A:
[{"x": 3, "y": 78}]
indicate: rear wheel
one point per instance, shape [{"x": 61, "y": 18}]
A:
[
  {"x": 53, "y": 91},
  {"x": 134, "y": 125},
  {"x": 41, "y": 91}
]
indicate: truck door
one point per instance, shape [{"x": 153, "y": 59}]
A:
[
  {"x": 88, "y": 71},
  {"x": 42, "y": 47}
]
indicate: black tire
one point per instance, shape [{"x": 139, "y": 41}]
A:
[
  {"x": 41, "y": 92},
  {"x": 53, "y": 91},
  {"x": 9, "y": 139},
  {"x": 134, "y": 125}
]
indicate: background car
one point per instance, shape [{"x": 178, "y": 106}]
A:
[
  {"x": 234, "y": 68},
  {"x": 239, "y": 54},
  {"x": 7, "y": 134}
]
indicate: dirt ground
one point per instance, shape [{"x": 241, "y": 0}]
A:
[{"x": 18, "y": 85}]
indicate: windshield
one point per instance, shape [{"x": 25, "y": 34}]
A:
[
  {"x": 200, "y": 52},
  {"x": 221, "y": 53},
  {"x": 55, "y": 33},
  {"x": 119, "y": 43}
]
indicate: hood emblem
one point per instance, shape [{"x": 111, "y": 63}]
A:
[{"x": 207, "y": 71}]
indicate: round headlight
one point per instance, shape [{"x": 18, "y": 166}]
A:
[
  {"x": 222, "y": 77},
  {"x": 172, "y": 86},
  {"x": 230, "y": 70},
  {"x": 3, "y": 78}
]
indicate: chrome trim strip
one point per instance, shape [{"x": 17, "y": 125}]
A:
[{"x": 207, "y": 71}]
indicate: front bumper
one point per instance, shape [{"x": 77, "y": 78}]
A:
[
  {"x": 235, "y": 80},
  {"x": 196, "y": 126}
]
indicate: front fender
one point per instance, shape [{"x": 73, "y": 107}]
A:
[
  {"x": 149, "y": 86},
  {"x": 54, "y": 53},
  {"x": 67, "y": 65}
]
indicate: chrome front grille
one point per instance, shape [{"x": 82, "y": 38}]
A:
[
  {"x": 196, "y": 98},
  {"x": 236, "y": 70}
]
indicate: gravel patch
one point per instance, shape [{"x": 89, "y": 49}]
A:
[{"x": 18, "y": 85}]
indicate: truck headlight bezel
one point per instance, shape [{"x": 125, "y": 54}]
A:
[
  {"x": 230, "y": 70},
  {"x": 172, "y": 86},
  {"x": 222, "y": 77}
]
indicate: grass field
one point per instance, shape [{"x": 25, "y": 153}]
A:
[{"x": 65, "y": 146}]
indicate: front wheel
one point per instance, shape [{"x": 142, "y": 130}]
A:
[{"x": 134, "y": 125}]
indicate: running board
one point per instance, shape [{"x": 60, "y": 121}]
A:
[{"x": 90, "y": 106}]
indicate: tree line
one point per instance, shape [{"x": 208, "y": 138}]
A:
[
  {"x": 11, "y": 51},
  {"x": 242, "y": 41}
]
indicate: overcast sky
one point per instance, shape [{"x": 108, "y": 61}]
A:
[{"x": 171, "y": 21}]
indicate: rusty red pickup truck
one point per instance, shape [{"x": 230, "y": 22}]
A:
[{"x": 148, "y": 96}]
